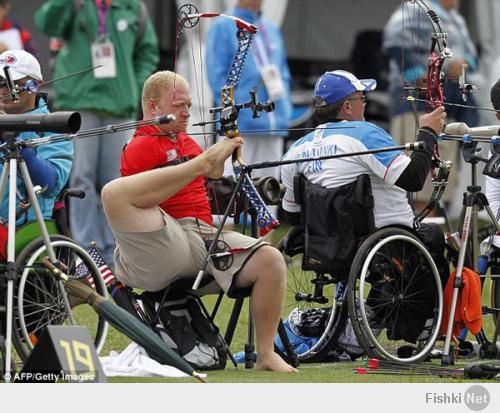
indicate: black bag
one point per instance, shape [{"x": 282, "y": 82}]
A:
[
  {"x": 185, "y": 328},
  {"x": 335, "y": 219},
  {"x": 433, "y": 238}
]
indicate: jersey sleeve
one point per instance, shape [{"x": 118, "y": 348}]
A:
[{"x": 388, "y": 166}]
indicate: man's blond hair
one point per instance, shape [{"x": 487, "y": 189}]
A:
[{"x": 158, "y": 83}]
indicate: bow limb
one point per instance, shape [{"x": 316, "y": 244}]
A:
[
  {"x": 436, "y": 54},
  {"x": 229, "y": 124}
]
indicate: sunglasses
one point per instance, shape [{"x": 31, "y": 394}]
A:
[
  {"x": 362, "y": 98},
  {"x": 30, "y": 86}
]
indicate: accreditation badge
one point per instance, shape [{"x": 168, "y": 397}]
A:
[
  {"x": 103, "y": 55},
  {"x": 273, "y": 82}
]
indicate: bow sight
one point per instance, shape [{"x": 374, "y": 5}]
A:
[{"x": 229, "y": 114}]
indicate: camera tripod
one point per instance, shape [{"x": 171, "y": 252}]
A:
[
  {"x": 13, "y": 161},
  {"x": 473, "y": 200}
]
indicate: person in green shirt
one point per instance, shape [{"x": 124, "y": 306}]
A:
[{"x": 118, "y": 36}]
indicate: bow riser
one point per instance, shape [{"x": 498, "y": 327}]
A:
[{"x": 435, "y": 96}]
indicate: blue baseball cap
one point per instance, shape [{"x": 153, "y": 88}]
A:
[{"x": 334, "y": 86}]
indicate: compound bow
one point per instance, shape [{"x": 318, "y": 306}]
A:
[{"x": 188, "y": 17}]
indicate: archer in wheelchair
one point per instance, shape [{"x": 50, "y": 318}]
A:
[
  {"x": 366, "y": 276},
  {"x": 48, "y": 165},
  {"x": 38, "y": 299},
  {"x": 161, "y": 218}
]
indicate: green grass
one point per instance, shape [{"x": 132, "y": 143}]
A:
[{"x": 309, "y": 373}]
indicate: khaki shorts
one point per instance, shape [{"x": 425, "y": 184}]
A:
[
  {"x": 403, "y": 131},
  {"x": 151, "y": 260}
]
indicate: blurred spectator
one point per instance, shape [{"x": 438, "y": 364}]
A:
[
  {"x": 12, "y": 35},
  {"x": 407, "y": 40},
  {"x": 119, "y": 36},
  {"x": 265, "y": 68}
]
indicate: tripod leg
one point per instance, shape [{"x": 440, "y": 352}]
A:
[
  {"x": 250, "y": 345},
  {"x": 10, "y": 268},
  {"x": 233, "y": 320},
  {"x": 43, "y": 230},
  {"x": 446, "y": 359}
]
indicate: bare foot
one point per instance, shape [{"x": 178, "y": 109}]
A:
[
  {"x": 273, "y": 362},
  {"x": 215, "y": 156}
]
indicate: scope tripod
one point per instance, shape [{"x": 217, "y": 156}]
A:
[
  {"x": 12, "y": 161},
  {"x": 473, "y": 200}
]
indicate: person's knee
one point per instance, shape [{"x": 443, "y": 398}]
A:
[
  {"x": 265, "y": 266},
  {"x": 271, "y": 264},
  {"x": 111, "y": 195}
]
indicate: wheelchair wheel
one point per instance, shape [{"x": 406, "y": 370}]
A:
[
  {"x": 495, "y": 299},
  {"x": 311, "y": 309},
  {"x": 41, "y": 300},
  {"x": 395, "y": 296}
]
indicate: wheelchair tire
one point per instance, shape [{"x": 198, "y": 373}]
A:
[
  {"x": 495, "y": 299},
  {"x": 308, "y": 291},
  {"x": 395, "y": 296},
  {"x": 41, "y": 300}
]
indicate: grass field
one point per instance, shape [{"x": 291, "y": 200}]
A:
[{"x": 309, "y": 373}]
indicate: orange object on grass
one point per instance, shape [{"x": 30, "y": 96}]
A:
[{"x": 468, "y": 309}]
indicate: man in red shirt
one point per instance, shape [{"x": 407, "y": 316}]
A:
[{"x": 160, "y": 216}]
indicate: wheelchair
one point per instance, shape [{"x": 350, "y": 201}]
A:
[
  {"x": 40, "y": 299},
  {"x": 387, "y": 289}
]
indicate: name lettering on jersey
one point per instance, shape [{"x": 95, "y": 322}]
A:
[
  {"x": 171, "y": 155},
  {"x": 315, "y": 152}
]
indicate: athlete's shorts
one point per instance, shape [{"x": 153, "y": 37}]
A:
[{"x": 151, "y": 260}]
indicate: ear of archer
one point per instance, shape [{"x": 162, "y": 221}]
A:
[
  {"x": 346, "y": 107},
  {"x": 152, "y": 107}
]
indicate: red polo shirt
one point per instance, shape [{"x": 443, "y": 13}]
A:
[{"x": 146, "y": 151}]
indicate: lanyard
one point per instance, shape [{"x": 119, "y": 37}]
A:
[
  {"x": 102, "y": 9},
  {"x": 262, "y": 50}
]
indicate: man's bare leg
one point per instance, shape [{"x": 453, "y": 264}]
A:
[
  {"x": 131, "y": 202},
  {"x": 266, "y": 271}
]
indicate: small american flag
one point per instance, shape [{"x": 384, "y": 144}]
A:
[{"x": 81, "y": 269}]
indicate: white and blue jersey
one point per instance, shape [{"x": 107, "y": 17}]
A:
[{"x": 391, "y": 205}]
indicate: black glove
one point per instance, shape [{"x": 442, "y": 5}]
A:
[{"x": 492, "y": 167}]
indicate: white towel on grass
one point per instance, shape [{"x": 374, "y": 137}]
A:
[{"x": 135, "y": 362}]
